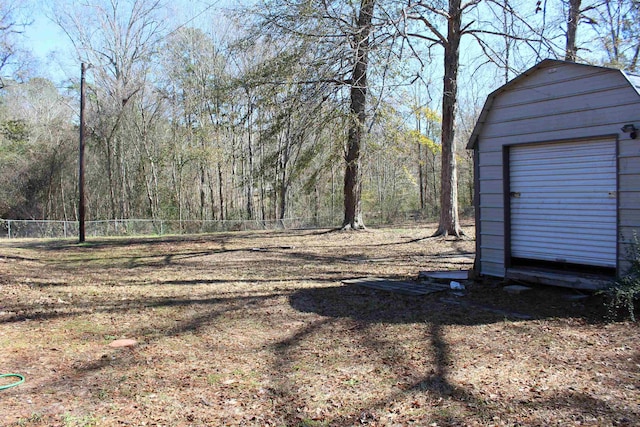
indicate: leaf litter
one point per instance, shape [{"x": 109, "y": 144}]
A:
[{"x": 229, "y": 335}]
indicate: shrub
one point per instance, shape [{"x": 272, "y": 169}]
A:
[{"x": 626, "y": 290}]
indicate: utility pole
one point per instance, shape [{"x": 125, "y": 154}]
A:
[{"x": 81, "y": 210}]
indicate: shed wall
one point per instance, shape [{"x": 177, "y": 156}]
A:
[
  {"x": 558, "y": 102},
  {"x": 629, "y": 190}
]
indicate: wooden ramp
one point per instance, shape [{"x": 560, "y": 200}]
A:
[
  {"x": 444, "y": 275},
  {"x": 397, "y": 286}
]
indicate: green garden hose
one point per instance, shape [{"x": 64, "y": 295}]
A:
[{"x": 20, "y": 380}]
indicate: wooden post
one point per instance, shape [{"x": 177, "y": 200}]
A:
[{"x": 81, "y": 199}]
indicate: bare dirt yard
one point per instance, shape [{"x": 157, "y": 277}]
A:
[{"x": 257, "y": 329}]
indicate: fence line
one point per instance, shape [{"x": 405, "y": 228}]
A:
[
  {"x": 12, "y": 228},
  {"x": 18, "y": 228}
]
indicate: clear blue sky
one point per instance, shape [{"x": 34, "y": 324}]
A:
[
  {"x": 53, "y": 50},
  {"x": 50, "y": 47}
]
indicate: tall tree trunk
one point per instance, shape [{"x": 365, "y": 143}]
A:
[
  {"x": 149, "y": 193},
  {"x": 282, "y": 198},
  {"x": 352, "y": 182},
  {"x": 151, "y": 182},
  {"x": 223, "y": 215},
  {"x": 421, "y": 166},
  {"x": 212, "y": 190},
  {"x": 62, "y": 198},
  {"x": 249, "y": 173},
  {"x": 203, "y": 194},
  {"x": 506, "y": 16},
  {"x": 110, "y": 180},
  {"x": 283, "y": 180},
  {"x": 572, "y": 29},
  {"x": 316, "y": 205},
  {"x": 449, "y": 220},
  {"x": 123, "y": 176},
  {"x": 263, "y": 186}
]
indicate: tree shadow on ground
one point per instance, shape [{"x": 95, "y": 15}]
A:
[
  {"x": 478, "y": 305},
  {"x": 215, "y": 306},
  {"x": 369, "y": 307},
  {"x": 160, "y": 240},
  {"x": 355, "y": 312},
  {"x": 221, "y": 239}
]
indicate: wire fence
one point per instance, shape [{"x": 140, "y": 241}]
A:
[
  {"x": 18, "y": 228},
  {"x": 11, "y": 228}
]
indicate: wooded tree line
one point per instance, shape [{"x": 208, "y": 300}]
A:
[{"x": 280, "y": 109}]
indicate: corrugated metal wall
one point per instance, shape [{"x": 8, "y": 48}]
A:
[{"x": 563, "y": 202}]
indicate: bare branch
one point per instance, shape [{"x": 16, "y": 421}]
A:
[{"x": 441, "y": 39}]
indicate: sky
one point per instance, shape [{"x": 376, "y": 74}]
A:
[
  {"x": 53, "y": 50},
  {"x": 50, "y": 47},
  {"x": 56, "y": 60}
]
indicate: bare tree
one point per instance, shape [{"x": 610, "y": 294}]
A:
[
  {"x": 576, "y": 13},
  {"x": 443, "y": 22},
  {"x": 619, "y": 32},
  {"x": 14, "y": 61},
  {"x": 450, "y": 41},
  {"x": 194, "y": 81},
  {"x": 337, "y": 39},
  {"x": 357, "y": 109},
  {"x": 119, "y": 39},
  {"x": 573, "y": 17}
]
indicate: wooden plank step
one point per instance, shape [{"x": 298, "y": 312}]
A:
[{"x": 397, "y": 286}]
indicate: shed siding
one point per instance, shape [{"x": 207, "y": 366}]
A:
[
  {"x": 629, "y": 183},
  {"x": 586, "y": 86},
  {"x": 629, "y": 188},
  {"x": 568, "y": 134},
  {"x": 560, "y": 120},
  {"x": 630, "y": 218},
  {"x": 557, "y": 102},
  {"x": 491, "y": 158},
  {"x": 494, "y": 200},
  {"x": 492, "y": 228},
  {"x": 629, "y": 167},
  {"x": 573, "y": 105},
  {"x": 629, "y": 148}
]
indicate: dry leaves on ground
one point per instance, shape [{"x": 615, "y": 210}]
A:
[{"x": 257, "y": 329}]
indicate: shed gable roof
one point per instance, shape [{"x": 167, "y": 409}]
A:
[{"x": 634, "y": 83}]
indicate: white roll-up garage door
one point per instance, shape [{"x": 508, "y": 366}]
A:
[{"x": 563, "y": 202}]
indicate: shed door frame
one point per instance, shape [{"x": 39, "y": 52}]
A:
[{"x": 509, "y": 261}]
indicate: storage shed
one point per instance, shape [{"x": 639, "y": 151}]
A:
[{"x": 557, "y": 175}]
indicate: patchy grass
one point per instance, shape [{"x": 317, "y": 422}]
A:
[{"x": 257, "y": 329}]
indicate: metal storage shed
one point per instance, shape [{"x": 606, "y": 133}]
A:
[{"x": 557, "y": 175}]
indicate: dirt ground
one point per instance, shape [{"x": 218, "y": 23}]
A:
[{"x": 257, "y": 329}]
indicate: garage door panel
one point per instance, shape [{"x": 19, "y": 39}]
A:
[
  {"x": 596, "y": 215},
  {"x": 557, "y": 152},
  {"x": 558, "y": 231},
  {"x": 596, "y": 179},
  {"x": 539, "y": 251},
  {"x": 597, "y": 188},
  {"x": 563, "y": 202},
  {"x": 565, "y": 208},
  {"x": 561, "y": 246},
  {"x": 577, "y": 244}
]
